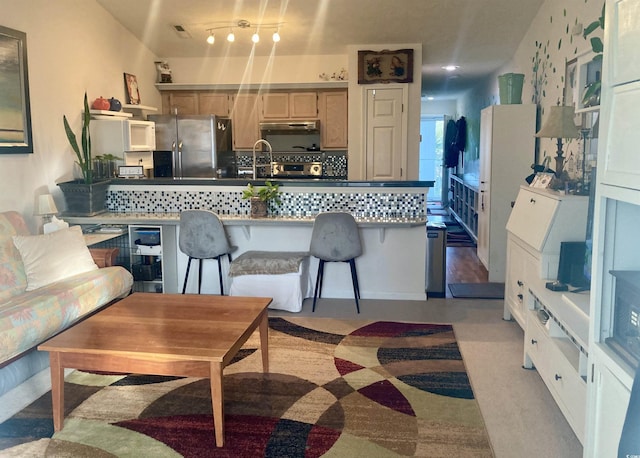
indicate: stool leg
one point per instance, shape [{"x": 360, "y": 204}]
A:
[
  {"x": 199, "y": 274},
  {"x": 354, "y": 280},
  {"x": 318, "y": 288},
  {"x": 220, "y": 275},
  {"x": 186, "y": 275}
]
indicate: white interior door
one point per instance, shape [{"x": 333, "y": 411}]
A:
[{"x": 385, "y": 144}]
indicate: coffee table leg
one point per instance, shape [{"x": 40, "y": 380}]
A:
[
  {"x": 264, "y": 341},
  {"x": 57, "y": 390},
  {"x": 218, "y": 402}
]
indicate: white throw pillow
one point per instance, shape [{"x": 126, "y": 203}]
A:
[{"x": 52, "y": 257}]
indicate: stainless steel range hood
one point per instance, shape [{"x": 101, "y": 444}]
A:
[{"x": 283, "y": 127}]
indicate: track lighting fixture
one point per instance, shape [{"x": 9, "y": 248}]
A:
[{"x": 244, "y": 24}]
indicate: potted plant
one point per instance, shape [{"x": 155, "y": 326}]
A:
[
  {"x": 260, "y": 198},
  {"x": 83, "y": 197}
]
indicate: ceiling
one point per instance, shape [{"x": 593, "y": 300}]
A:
[{"x": 477, "y": 35}]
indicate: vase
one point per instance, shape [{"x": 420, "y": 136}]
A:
[
  {"x": 84, "y": 199},
  {"x": 258, "y": 208}
]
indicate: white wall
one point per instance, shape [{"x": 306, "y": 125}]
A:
[
  {"x": 550, "y": 36},
  {"x": 73, "y": 46},
  {"x": 259, "y": 69}
]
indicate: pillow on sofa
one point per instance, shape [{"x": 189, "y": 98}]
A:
[{"x": 55, "y": 256}]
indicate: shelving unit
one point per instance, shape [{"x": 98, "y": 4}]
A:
[
  {"x": 615, "y": 226},
  {"x": 149, "y": 247},
  {"x": 464, "y": 204}
]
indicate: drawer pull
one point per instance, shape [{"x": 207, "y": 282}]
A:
[
  {"x": 533, "y": 201},
  {"x": 520, "y": 283},
  {"x": 534, "y": 341},
  {"x": 558, "y": 377},
  {"x": 520, "y": 297}
]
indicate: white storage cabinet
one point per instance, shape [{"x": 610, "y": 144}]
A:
[
  {"x": 540, "y": 220},
  {"x": 507, "y": 145}
]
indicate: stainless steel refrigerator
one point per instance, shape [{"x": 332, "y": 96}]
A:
[{"x": 197, "y": 144}]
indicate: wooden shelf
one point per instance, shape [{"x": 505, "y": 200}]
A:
[
  {"x": 250, "y": 87},
  {"x": 129, "y": 106}
]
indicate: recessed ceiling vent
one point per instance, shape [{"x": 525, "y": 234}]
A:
[{"x": 181, "y": 31}]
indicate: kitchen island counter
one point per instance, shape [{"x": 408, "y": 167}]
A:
[
  {"x": 391, "y": 217},
  {"x": 234, "y": 220}
]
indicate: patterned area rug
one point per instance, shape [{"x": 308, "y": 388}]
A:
[{"x": 336, "y": 388}]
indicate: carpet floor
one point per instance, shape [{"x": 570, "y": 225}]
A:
[{"x": 336, "y": 388}]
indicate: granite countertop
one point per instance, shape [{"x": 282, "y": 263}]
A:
[
  {"x": 319, "y": 182},
  {"x": 234, "y": 220}
]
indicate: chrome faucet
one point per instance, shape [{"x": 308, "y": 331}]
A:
[{"x": 255, "y": 176}]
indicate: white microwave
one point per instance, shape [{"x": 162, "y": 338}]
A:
[{"x": 119, "y": 135}]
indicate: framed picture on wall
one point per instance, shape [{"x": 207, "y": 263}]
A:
[
  {"x": 385, "y": 66},
  {"x": 131, "y": 89},
  {"x": 570, "y": 92},
  {"x": 15, "y": 110}
]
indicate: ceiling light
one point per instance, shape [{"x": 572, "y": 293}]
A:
[
  {"x": 244, "y": 24},
  {"x": 451, "y": 68}
]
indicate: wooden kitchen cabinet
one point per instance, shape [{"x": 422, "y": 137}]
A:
[
  {"x": 180, "y": 102},
  {"x": 244, "y": 121},
  {"x": 289, "y": 105},
  {"x": 333, "y": 114},
  {"x": 215, "y": 103},
  {"x": 274, "y": 105},
  {"x": 303, "y": 105}
]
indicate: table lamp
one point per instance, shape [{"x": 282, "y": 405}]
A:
[
  {"x": 559, "y": 125},
  {"x": 46, "y": 207}
]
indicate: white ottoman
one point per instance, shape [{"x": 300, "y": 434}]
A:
[{"x": 283, "y": 276}]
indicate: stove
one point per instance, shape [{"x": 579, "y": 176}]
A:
[{"x": 292, "y": 169}]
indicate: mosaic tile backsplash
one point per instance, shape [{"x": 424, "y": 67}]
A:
[{"x": 409, "y": 205}]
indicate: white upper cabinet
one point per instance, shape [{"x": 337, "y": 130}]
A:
[{"x": 625, "y": 64}]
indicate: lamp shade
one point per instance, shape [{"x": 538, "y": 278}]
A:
[
  {"x": 45, "y": 205},
  {"x": 559, "y": 124}
]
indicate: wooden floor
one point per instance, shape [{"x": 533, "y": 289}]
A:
[{"x": 463, "y": 266}]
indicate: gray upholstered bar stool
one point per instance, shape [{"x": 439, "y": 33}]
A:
[
  {"x": 202, "y": 236},
  {"x": 335, "y": 238}
]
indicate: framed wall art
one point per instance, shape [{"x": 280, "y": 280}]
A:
[
  {"x": 15, "y": 110},
  {"x": 385, "y": 66},
  {"x": 131, "y": 89}
]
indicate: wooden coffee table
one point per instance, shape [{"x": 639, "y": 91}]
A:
[{"x": 161, "y": 334}]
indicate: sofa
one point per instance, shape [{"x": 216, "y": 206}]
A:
[{"x": 47, "y": 283}]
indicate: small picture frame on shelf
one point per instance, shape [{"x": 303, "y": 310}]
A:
[
  {"x": 542, "y": 180},
  {"x": 131, "y": 89}
]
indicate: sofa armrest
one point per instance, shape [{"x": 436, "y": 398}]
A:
[{"x": 104, "y": 257}]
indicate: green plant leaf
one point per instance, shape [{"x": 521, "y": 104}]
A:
[{"x": 596, "y": 45}]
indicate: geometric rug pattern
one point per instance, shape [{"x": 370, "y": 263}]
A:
[{"x": 335, "y": 388}]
